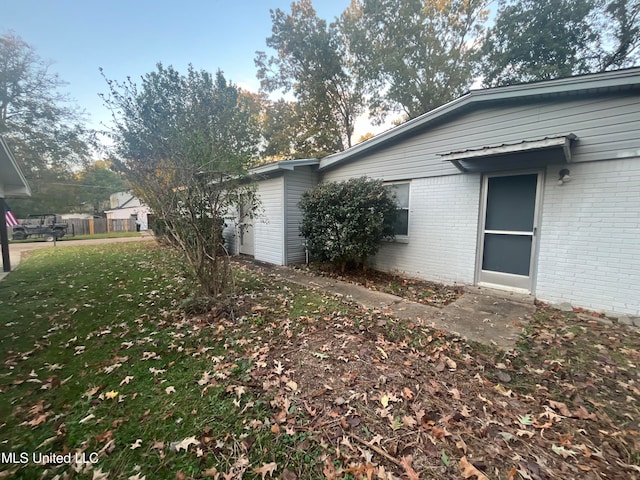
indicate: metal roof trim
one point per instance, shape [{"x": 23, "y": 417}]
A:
[
  {"x": 283, "y": 165},
  {"x": 522, "y": 146}
]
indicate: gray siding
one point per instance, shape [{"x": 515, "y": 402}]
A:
[
  {"x": 297, "y": 182},
  {"x": 607, "y": 128},
  {"x": 268, "y": 231}
]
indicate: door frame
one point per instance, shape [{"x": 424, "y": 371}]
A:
[{"x": 500, "y": 280}]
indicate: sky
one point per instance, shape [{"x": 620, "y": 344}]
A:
[{"x": 129, "y": 37}]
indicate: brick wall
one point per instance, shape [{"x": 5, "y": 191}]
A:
[
  {"x": 589, "y": 252},
  {"x": 443, "y": 226}
]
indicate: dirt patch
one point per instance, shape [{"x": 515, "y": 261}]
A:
[{"x": 415, "y": 290}]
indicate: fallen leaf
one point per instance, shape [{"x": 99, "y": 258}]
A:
[
  {"x": 329, "y": 470},
  {"x": 583, "y": 414},
  {"x": 468, "y": 470},
  {"x": 126, "y": 380},
  {"x": 408, "y": 469},
  {"x": 503, "y": 391},
  {"x": 111, "y": 395},
  {"x": 91, "y": 416},
  {"x": 267, "y": 468},
  {"x": 409, "y": 421},
  {"x": 184, "y": 444},
  {"x": 278, "y": 369},
  {"x": 525, "y": 420},
  {"x": 170, "y": 389},
  {"x": 98, "y": 474},
  {"x": 293, "y": 386},
  {"x": 408, "y": 394},
  {"x": 561, "y": 407},
  {"x": 91, "y": 392},
  {"x": 136, "y": 444},
  {"x": 211, "y": 472},
  {"x": 384, "y": 354},
  {"x": 563, "y": 451},
  {"x": 38, "y": 420}
]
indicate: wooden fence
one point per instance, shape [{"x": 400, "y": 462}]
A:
[{"x": 94, "y": 226}]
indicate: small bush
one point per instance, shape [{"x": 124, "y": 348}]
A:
[{"x": 344, "y": 222}]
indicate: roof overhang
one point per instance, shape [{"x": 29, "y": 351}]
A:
[
  {"x": 543, "y": 151},
  {"x": 589, "y": 84},
  {"x": 12, "y": 181},
  {"x": 282, "y": 166}
]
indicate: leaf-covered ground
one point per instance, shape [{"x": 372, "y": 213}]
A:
[
  {"x": 416, "y": 290},
  {"x": 102, "y": 359}
]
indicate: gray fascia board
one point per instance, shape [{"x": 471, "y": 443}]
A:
[
  {"x": 579, "y": 84},
  {"x": 283, "y": 165},
  {"x": 19, "y": 186}
]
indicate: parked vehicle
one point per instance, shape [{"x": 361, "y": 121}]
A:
[{"x": 44, "y": 225}]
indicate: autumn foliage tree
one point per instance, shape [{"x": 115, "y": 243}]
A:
[
  {"x": 312, "y": 63},
  {"x": 545, "y": 39},
  {"x": 184, "y": 142},
  {"x": 44, "y": 130},
  {"x": 345, "y": 222},
  {"x": 413, "y": 55}
]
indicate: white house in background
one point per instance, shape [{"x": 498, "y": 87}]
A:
[
  {"x": 532, "y": 188},
  {"x": 124, "y": 206}
]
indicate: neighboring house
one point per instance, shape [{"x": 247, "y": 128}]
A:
[
  {"x": 12, "y": 184},
  {"x": 532, "y": 188},
  {"x": 125, "y": 206}
]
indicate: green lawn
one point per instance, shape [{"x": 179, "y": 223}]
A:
[
  {"x": 104, "y": 355},
  {"x": 98, "y": 359},
  {"x": 83, "y": 237}
]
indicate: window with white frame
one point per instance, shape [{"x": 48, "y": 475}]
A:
[{"x": 401, "y": 192}]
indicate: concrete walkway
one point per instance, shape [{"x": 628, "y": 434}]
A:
[{"x": 483, "y": 315}]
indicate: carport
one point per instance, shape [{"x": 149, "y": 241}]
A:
[{"x": 12, "y": 184}]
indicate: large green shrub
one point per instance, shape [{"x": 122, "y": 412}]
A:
[{"x": 344, "y": 222}]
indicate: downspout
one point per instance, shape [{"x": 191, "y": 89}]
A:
[{"x": 285, "y": 237}]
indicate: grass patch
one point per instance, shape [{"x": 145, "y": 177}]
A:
[
  {"x": 98, "y": 359},
  {"x": 109, "y": 356},
  {"x": 102, "y": 235},
  {"x": 96, "y": 236}
]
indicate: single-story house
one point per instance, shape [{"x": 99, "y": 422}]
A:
[
  {"x": 533, "y": 188},
  {"x": 126, "y": 206},
  {"x": 12, "y": 184}
]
